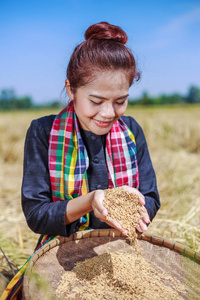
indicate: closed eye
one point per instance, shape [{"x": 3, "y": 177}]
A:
[
  {"x": 121, "y": 103},
  {"x": 95, "y": 103}
]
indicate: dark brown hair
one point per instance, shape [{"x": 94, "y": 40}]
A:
[{"x": 103, "y": 50}]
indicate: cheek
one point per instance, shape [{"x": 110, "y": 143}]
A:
[
  {"x": 88, "y": 110},
  {"x": 93, "y": 110},
  {"x": 120, "y": 110}
]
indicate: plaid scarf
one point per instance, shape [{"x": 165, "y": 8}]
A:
[
  {"x": 68, "y": 158},
  {"x": 68, "y": 164}
]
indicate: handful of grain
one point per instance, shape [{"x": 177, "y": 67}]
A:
[{"x": 124, "y": 207}]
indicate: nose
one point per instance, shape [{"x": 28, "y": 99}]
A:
[{"x": 108, "y": 111}]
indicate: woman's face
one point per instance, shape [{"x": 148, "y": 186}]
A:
[{"x": 99, "y": 104}]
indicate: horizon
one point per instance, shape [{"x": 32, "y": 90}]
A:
[{"x": 37, "y": 40}]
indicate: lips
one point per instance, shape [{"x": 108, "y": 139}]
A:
[{"x": 102, "y": 123}]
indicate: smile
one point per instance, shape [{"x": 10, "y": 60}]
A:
[{"x": 102, "y": 123}]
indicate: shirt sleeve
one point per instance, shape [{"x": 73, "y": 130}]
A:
[
  {"x": 147, "y": 176},
  {"x": 43, "y": 216}
]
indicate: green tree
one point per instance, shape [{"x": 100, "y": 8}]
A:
[
  {"x": 145, "y": 100},
  {"x": 23, "y": 103},
  {"x": 193, "y": 95},
  {"x": 9, "y": 100},
  {"x": 7, "y": 96},
  {"x": 171, "y": 99}
]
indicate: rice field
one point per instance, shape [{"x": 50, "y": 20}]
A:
[{"x": 173, "y": 136}]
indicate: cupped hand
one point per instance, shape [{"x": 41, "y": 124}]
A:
[
  {"x": 101, "y": 212},
  {"x": 144, "y": 214}
]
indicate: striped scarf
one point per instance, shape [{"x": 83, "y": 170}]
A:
[{"x": 68, "y": 158}]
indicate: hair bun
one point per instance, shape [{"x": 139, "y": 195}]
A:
[{"x": 106, "y": 31}]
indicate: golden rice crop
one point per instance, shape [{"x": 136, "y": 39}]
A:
[{"x": 173, "y": 136}]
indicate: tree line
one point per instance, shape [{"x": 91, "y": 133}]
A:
[
  {"x": 192, "y": 97},
  {"x": 10, "y": 101}
]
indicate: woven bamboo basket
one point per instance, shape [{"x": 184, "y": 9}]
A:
[{"x": 53, "y": 259}]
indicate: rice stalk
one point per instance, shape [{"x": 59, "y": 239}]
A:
[{"x": 173, "y": 136}]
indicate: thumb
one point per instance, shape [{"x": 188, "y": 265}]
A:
[
  {"x": 98, "y": 203},
  {"x": 104, "y": 212}
]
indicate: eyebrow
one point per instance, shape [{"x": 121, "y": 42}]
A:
[{"x": 103, "y": 98}]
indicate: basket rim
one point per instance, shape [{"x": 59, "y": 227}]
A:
[{"x": 154, "y": 239}]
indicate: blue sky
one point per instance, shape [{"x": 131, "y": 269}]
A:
[{"x": 37, "y": 38}]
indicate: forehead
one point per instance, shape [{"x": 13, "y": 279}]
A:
[{"x": 108, "y": 81}]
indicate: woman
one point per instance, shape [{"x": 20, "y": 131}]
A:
[{"x": 71, "y": 158}]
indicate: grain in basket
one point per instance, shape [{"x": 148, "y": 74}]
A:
[{"x": 115, "y": 274}]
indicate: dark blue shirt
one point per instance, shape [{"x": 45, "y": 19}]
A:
[{"x": 47, "y": 217}]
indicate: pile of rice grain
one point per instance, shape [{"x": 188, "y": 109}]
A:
[
  {"x": 124, "y": 207},
  {"x": 119, "y": 275}
]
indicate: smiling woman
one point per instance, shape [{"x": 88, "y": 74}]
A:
[
  {"x": 99, "y": 104},
  {"x": 71, "y": 158}
]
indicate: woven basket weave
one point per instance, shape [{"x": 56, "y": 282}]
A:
[{"x": 50, "y": 262}]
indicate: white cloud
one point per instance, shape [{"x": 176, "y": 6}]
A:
[
  {"x": 179, "y": 23},
  {"x": 174, "y": 30}
]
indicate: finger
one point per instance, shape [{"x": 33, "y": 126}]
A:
[
  {"x": 145, "y": 217},
  {"x": 101, "y": 213},
  {"x": 116, "y": 225},
  {"x": 104, "y": 212},
  {"x": 141, "y": 199},
  {"x": 98, "y": 203},
  {"x": 136, "y": 192},
  {"x": 139, "y": 228},
  {"x": 142, "y": 226}
]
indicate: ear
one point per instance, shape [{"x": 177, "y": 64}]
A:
[{"x": 68, "y": 89}]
